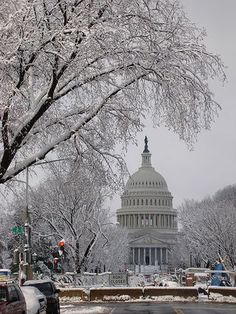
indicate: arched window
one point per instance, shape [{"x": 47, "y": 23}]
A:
[
  {"x": 133, "y": 202},
  {"x": 137, "y": 202},
  {"x": 146, "y": 202},
  {"x": 151, "y": 202},
  {"x": 142, "y": 202}
]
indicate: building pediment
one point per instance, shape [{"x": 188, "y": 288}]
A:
[{"x": 147, "y": 239}]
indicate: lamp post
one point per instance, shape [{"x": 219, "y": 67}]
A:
[
  {"x": 27, "y": 246},
  {"x": 28, "y": 227}
]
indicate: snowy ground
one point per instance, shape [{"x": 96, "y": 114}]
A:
[
  {"x": 68, "y": 309},
  {"x": 70, "y": 305}
]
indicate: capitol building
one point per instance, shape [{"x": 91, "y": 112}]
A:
[{"x": 147, "y": 213}]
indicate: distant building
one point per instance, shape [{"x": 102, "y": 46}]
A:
[{"x": 147, "y": 212}]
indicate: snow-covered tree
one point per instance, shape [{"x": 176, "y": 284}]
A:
[
  {"x": 88, "y": 71},
  {"x": 228, "y": 193},
  {"x": 209, "y": 229},
  {"x": 115, "y": 250},
  {"x": 71, "y": 206}
]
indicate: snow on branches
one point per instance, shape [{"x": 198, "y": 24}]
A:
[{"x": 89, "y": 70}]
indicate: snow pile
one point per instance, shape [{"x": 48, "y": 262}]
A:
[
  {"x": 87, "y": 310},
  {"x": 70, "y": 300},
  {"x": 214, "y": 297},
  {"x": 117, "y": 298},
  {"x": 168, "y": 283},
  {"x": 217, "y": 297},
  {"x": 170, "y": 298},
  {"x": 136, "y": 281}
]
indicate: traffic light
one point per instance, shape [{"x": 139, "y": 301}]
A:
[
  {"x": 61, "y": 245},
  {"x": 55, "y": 263}
]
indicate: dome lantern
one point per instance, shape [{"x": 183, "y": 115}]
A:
[{"x": 146, "y": 155}]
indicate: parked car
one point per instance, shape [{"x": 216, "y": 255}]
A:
[
  {"x": 12, "y": 300},
  {"x": 48, "y": 288},
  {"x": 36, "y": 301}
]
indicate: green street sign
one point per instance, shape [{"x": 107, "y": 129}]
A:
[{"x": 18, "y": 230}]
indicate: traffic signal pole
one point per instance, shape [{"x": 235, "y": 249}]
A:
[{"x": 27, "y": 246}]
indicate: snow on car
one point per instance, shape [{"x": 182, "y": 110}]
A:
[{"x": 36, "y": 301}]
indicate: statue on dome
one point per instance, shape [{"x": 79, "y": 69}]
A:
[{"x": 146, "y": 145}]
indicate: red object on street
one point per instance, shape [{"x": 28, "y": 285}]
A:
[{"x": 62, "y": 243}]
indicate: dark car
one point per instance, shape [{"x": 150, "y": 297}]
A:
[
  {"x": 48, "y": 288},
  {"x": 12, "y": 300}
]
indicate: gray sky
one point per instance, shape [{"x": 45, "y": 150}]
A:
[{"x": 212, "y": 164}]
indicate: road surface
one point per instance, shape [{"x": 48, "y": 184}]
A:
[{"x": 150, "y": 308}]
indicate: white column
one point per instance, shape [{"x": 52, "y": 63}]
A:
[
  {"x": 156, "y": 262},
  {"x": 160, "y": 256}
]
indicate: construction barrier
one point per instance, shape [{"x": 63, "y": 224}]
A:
[
  {"x": 115, "y": 294},
  {"x": 184, "y": 292},
  {"x": 74, "y": 292},
  {"x": 127, "y": 293},
  {"x": 224, "y": 291}
]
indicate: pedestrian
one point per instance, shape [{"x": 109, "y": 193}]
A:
[{"x": 22, "y": 275}]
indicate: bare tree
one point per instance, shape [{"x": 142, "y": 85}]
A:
[
  {"x": 71, "y": 207},
  {"x": 88, "y": 71},
  {"x": 209, "y": 229}
]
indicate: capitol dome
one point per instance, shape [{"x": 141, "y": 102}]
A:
[
  {"x": 147, "y": 213},
  {"x": 146, "y": 178}
]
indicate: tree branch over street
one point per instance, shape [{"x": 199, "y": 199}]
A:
[{"x": 107, "y": 66}]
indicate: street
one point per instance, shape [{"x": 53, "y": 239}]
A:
[{"x": 150, "y": 308}]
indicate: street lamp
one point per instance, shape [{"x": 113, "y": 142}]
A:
[{"x": 28, "y": 227}]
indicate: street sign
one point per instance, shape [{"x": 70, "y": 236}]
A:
[
  {"x": 18, "y": 230},
  {"x": 118, "y": 279}
]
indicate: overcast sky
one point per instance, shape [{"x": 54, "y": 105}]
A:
[{"x": 212, "y": 164}]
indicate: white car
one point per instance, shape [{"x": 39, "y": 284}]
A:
[{"x": 36, "y": 301}]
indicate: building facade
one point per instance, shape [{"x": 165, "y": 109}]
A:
[{"x": 148, "y": 214}]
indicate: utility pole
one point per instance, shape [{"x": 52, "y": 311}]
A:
[
  {"x": 27, "y": 250},
  {"x": 27, "y": 246}
]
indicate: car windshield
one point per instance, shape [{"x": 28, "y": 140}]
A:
[
  {"x": 46, "y": 288},
  {"x": 3, "y": 295}
]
